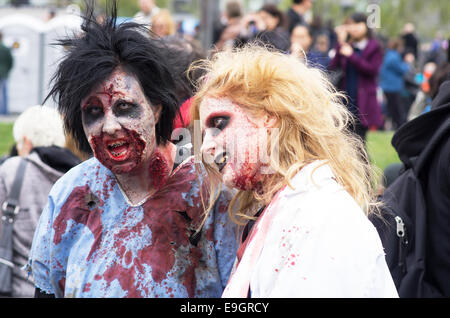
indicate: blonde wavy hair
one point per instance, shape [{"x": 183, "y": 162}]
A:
[{"x": 311, "y": 118}]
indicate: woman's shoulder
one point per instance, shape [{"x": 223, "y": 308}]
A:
[
  {"x": 10, "y": 163},
  {"x": 321, "y": 203},
  {"x": 87, "y": 172},
  {"x": 373, "y": 45}
]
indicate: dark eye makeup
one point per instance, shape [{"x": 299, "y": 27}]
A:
[
  {"x": 218, "y": 122},
  {"x": 92, "y": 110},
  {"x": 125, "y": 108}
]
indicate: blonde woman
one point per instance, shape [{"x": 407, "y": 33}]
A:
[
  {"x": 274, "y": 130},
  {"x": 163, "y": 24}
]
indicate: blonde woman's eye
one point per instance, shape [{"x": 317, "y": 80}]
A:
[{"x": 219, "y": 122}]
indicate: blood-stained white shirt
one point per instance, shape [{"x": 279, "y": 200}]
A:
[{"x": 312, "y": 241}]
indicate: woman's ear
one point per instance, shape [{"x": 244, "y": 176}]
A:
[{"x": 24, "y": 147}]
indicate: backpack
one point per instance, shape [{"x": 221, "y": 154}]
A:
[{"x": 403, "y": 226}]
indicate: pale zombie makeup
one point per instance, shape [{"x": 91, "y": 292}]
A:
[
  {"x": 119, "y": 123},
  {"x": 233, "y": 144}
]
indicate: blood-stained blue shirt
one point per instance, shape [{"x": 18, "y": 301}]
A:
[{"x": 91, "y": 242}]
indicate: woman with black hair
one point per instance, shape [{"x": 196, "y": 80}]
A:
[
  {"x": 267, "y": 26},
  {"x": 359, "y": 57},
  {"x": 125, "y": 223}
]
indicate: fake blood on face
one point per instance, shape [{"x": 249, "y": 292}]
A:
[
  {"x": 109, "y": 92},
  {"x": 240, "y": 137},
  {"x": 134, "y": 151},
  {"x": 119, "y": 122}
]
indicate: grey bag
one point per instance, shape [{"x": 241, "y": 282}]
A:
[{"x": 10, "y": 207}]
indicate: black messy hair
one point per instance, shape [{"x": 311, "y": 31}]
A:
[
  {"x": 184, "y": 52},
  {"x": 92, "y": 57}
]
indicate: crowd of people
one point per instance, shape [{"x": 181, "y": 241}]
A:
[
  {"x": 278, "y": 197},
  {"x": 388, "y": 81}
]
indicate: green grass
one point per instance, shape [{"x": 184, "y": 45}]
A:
[
  {"x": 379, "y": 145},
  {"x": 380, "y": 149},
  {"x": 6, "y": 138}
]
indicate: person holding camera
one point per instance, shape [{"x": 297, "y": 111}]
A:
[
  {"x": 358, "y": 59},
  {"x": 267, "y": 27}
]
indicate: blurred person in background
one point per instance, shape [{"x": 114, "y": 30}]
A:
[
  {"x": 411, "y": 43},
  {"x": 147, "y": 10},
  {"x": 317, "y": 27},
  {"x": 39, "y": 136},
  {"x": 438, "y": 50},
  {"x": 392, "y": 82},
  {"x": 295, "y": 13},
  {"x": 6, "y": 64},
  {"x": 275, "y": 32},
  {"x": 184, "y": 52},
  {"x": 322, "y": 44},
  {"x": 301, "y": 47},
  {"x": 331, "y": 34},
  {"x": 163, "y": 24},
  {"x": 267, "y": 26},
  {"x": 441, "y": 74},
  {"x": 422, "y": 99},
  {"x": 359, "y": 57},
  {"x": 226, "y": 34}
]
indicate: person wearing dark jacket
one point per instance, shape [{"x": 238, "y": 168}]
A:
[
  {"x": 266, "y": 27},
  {"x": 437, "y": 175},
  {"x": 39, "y": 135},
  {"x": 295, "y": 13},
  {"x": 434, "y": 127},
  {"x": 275, "y": 33},
  {"x": 431, "y": 132},
  {"x": 359, "y": 57},
  {"x": 301, "y": 47},
  {"x": 410, "y": 38}
]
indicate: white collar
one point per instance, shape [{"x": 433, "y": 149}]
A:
[{"x": 361, "y": 44}]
